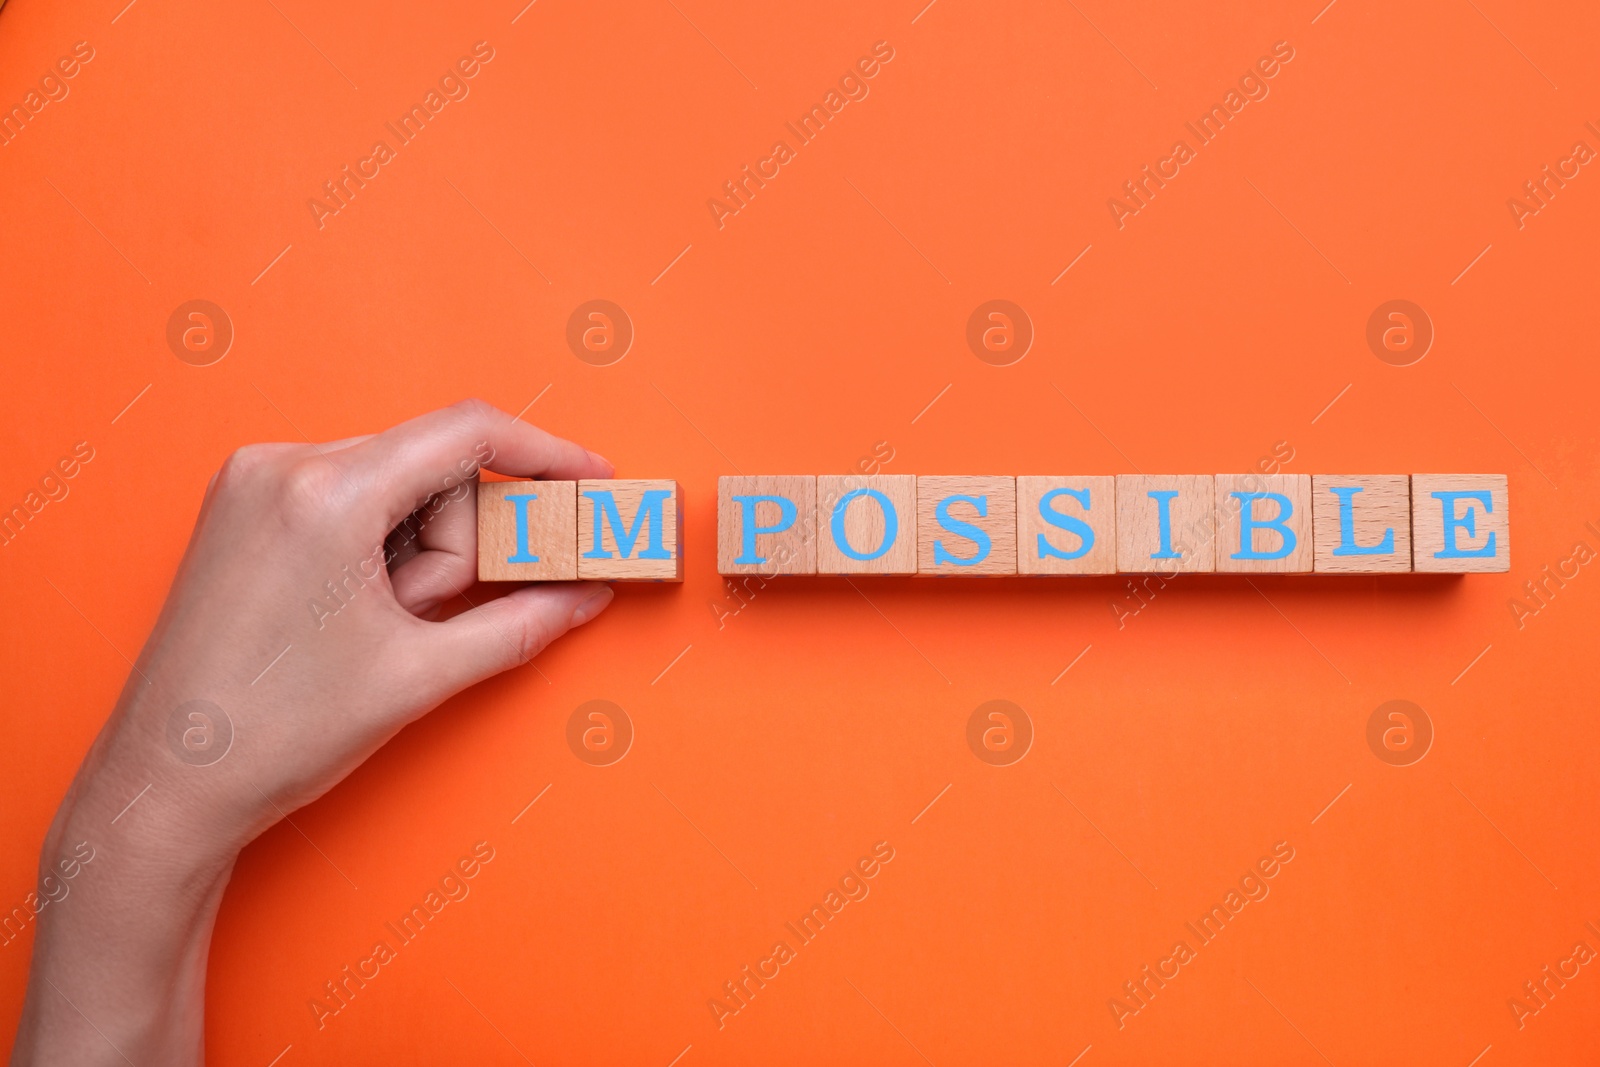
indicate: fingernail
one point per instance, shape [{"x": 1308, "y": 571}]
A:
[
  {"x": 592, "y": 605},
  {"x": 611, "y": 468}
]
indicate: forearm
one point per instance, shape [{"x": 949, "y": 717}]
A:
[{"x": 119, "y": 959}]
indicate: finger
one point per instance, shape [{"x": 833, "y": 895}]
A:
[
  {"x": 429, "y": 579},
  {"x": 446, "y": 551},
  {"x": 342, "y": 443},
  {"x": 500, "y": 634},
  {"x": 400, "y": 549},
  {"x": 436, "y": 451}
]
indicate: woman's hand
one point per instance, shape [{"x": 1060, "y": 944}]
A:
[{"x": 297, "y": 638}]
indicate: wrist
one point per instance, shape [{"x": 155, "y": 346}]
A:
[
  {"x": 148, "y": 826},
  {"x": 124, "y": 918},
  {"x": 144, "y": 790}
]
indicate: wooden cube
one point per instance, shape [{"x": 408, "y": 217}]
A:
[
  {"x": 1460, "y": 523},
  {"x": 1166, "y": 523},
  {"x": 866, "y": 524},
  {"x": 527, "y": 531},
  {"x": 1066, "y": 525},
  {"x": 767, "y": 524},
  {"x": 966, "y": 525},
  {"x": 630, "y": 530},
  {"x": 1361, "y": 523},
  {"x": 1264, "y": 524}
]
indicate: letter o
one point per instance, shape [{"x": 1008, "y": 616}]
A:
[{"x": 891, "y": 524}]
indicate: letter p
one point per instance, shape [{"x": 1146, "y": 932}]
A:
[{"x": 750, "y": 527}]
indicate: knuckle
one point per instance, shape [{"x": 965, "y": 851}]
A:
[
  {"x": 240, "y": 460},
  {"x": 531, "y": 636},
  {"x": 242, "y": 467},
  {"x": 307, "y": 486},
  {"x": 475, "y": 407}
]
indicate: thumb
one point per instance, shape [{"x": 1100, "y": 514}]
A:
[{"x": 502, "y": 634}]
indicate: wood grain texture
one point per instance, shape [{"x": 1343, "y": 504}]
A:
[
  {"x": 1100, "y": 516},
  {"x": 1382, "y": 507},
  {"x": 863, "y": 524},
  {"x": 603, "y": 559},
  {"x": 552, "y": 531},
  {"x": 1428, "y": 523},
  {"x": 995, "y": 514},
  {"x": 1296, "y": 488},
  {"x": 792, "y": 551},
  {"x": 1193, "y": 524}
]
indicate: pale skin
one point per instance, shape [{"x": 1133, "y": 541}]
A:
[{"x": 119, "y": 962}]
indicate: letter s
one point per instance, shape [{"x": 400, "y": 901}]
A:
[
  {"x": 982, "y": 543},
  {"x": 1070, "y": 523}
]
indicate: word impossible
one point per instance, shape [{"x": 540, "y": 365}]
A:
[{"x": 901, "y": 524}]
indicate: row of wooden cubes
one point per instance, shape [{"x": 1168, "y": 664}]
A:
[
  {"x": 609, "y": 530},
  {"x": 1033, "y": 525},
  {"x": 1106, "y": 524}
]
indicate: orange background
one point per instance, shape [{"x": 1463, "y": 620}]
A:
[{"x": 819, "y": 321}]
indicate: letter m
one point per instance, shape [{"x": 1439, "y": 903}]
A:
[
  {"x": 1217, "y": 116},
  {"x": 414, "y": 920},
  {"x": 650, "y": 514},
  {"x": 817, "y": 915},
  {"x": 1218, "y": 915}
]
